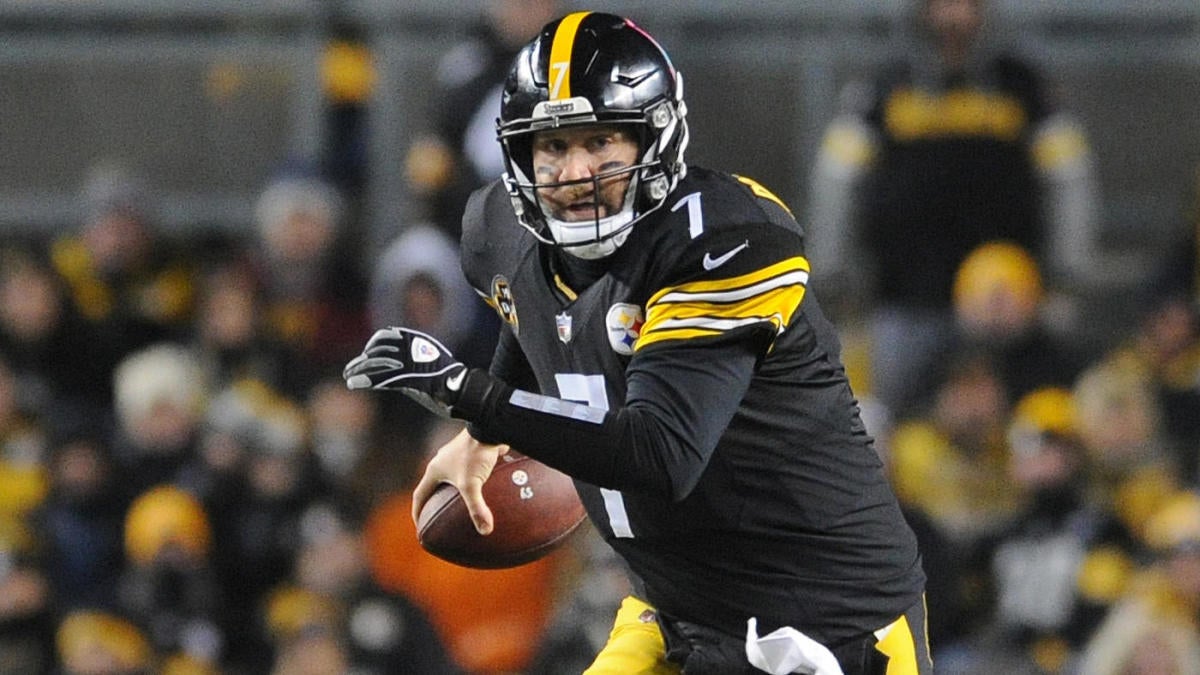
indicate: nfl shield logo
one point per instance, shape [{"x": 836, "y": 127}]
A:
[{"x": 564, "y": 326}]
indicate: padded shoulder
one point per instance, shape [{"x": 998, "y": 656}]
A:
[
  {"x": 713, "y": 214},
  {"x": 728, "y": 256},
  {"x": 490, "y": 233}
]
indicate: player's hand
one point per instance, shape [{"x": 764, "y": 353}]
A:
[
  {"x": 464, "y": 463},
  {"x": 411, "y": 362}
]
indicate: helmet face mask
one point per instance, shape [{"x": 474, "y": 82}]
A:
[
  {"x": 593, "y": 69},
  {"x": 585, "y": 236}
]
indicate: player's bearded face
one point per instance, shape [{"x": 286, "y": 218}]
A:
[{"x": 580, "y": 169}]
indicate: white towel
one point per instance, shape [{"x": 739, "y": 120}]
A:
[{"x": 787, "y": 651}]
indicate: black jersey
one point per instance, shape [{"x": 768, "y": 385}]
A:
[
  {"x": 955, "y": 170},
  {"x": 731, "y": 471}
]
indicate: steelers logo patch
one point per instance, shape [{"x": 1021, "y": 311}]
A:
[
  {"x": 624, "y": 323},
  {"x": 502, "y": 301}
]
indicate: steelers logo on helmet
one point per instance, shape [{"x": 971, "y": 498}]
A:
[{"x": 584, "y": 69}]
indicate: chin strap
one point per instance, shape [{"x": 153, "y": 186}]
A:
[{"x": 599, "y": 249}]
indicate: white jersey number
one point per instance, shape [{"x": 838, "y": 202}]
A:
[
  {"x": 589, "y": 390},
  {"x": 695, "y": 213}
]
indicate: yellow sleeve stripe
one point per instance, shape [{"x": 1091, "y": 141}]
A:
[
  {"x": 732, "y": 295},
  {"x": 703, "y": 308},
  {"x": 559, "y": 76},
  {"x": 728, "y": 290}
]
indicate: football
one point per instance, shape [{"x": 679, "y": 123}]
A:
[{"x": 535, "y": 509}]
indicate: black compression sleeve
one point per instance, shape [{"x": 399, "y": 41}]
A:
[
  {"x": 658, "y": 443},
  {"x": 553, "y": 431},
  {"x": 509, "y": 365}
]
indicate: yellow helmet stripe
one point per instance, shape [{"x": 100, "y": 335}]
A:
[{"x": 559, "y": 76}]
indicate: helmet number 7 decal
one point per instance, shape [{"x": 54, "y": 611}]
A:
[{"x": 558, "y": 72}]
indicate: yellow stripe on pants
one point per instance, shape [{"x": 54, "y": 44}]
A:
[
  {"x": 635, "y": 646},
  {"x": 896, "y": 642}
]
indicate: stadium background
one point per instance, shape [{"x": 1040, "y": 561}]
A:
[
  {"x": 209, "y": 96},
  {"x": 208, "y": 99}
]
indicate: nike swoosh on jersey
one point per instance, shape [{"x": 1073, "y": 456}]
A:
[{"x": 711, "y": 263}]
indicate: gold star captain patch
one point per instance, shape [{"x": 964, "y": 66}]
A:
[{"x": 770, "y": 295}]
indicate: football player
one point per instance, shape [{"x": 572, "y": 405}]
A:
[{"x": 660, "y": 345}]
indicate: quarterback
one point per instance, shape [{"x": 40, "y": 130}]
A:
[{"x": 661, "y": 346}]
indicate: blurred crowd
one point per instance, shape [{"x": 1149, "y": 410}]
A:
[
  {"x": 1042, "y": 438},
  {"x": 187, "y": 486},
  {"x": 186, "y": 483}
]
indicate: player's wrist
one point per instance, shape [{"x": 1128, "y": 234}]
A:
[
  {"x": 477, "y": 432},
  {"x": 471, "y": 400}
]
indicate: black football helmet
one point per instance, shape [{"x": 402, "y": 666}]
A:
[{"x": 593, "y": 68}]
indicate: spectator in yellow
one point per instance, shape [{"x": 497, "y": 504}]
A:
[
  {"x": 1120, "y": 424},
  {"x": 949, "y": 469},
  {"x": 999, "y": 302},
  {"x": 100, "y": 643},
  {"x": 121, "y": 274},
  {"x": 951, "y": 462},
  {"x": 1154, "y": 629},
  {"x": 1056, "y": 572},
  {"x": 169, "y": 585}
]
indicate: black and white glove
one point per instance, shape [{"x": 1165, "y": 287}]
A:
[{"x": 411, "y": 362}]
